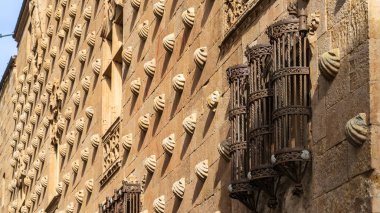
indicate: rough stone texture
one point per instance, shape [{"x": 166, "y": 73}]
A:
[{"x": 340, "y": 178}]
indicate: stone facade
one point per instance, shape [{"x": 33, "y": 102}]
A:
[{"x": 113, "y": 98}]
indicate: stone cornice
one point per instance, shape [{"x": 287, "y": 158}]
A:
[{"x": 21, "y": 21}]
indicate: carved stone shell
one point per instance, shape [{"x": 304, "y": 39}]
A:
[
  {"x": 179, "y": 82},
  {"x": 189, "y": 123},
  {"x": 89, "y": 112},
  {"x": 41, "y": 133},
  {"x": 144, "y": 30},
  {"x": 31, "y": 98},
  {"x": 91, "y": 39},
  {"x": 66, "y": 24},
  {"x": 87, "y": 13},
  {"x": 78, "y": 31},
  {"x": 63, "y": 3},
  {"x": 62, "y": 62},
  {"x": 45, "y": 122},
  {"x": 44, "y": 43},
  {"x": 61, "y": 34},
  {"x": 35, "y": 142},
  {"x": 38, "y": 189},
  {"x": 12, "y": 162},
  {"x": 150, "y": 163},
  {"x": 59, "y": 188},
  {"x": 13, "y": 143},
  {"x": 49, "y": 87},
  {"x": 127, "y": 55},
  {"x": 23, "y": 117},
  {"x": 200, "y": 56},
  {"x": 357, "y": 129},
  {"x": 36, "y": 87},
  {"x": 159, "y": 204},
  {"x": 67, "y": 113},
  {"x": 70, "y": 208},
  {"x": 79, "y": 124},
  {"x": 27, "y": 107},
  {"x": 144, "y": 122},
  {"x": 14, "y": 98},
  {"x": 41, "y": 78},
  {"x": 95, "y": 140},
  {"x": 29, "y": 150},
  {"x": 66, "y": 178},
  {"x": 24, "y": 138},
  {"x": 150, "y": 67},
  {"x": 29, "y": 203},
  {"x": 213, "y": 100},
  {"x": 70, "y": 47},
  {"x": 72, "y": 73},
  {"x": 159, "y": 8},
  {"x": 73, "y": 10},
  {"x": 329, "y": 63},
  {"x": 178, "y": 187},
  {"x": 96, "y": 65},
  {"x": 135, "y": 86},
  {"x": 27, "y": 181},
  {"x": 224, "y": 149},
  {"x": 58, "y": 14},
  {"x": 89, "y": 184},
  {"x": 136, "y": 4},
  {"x": 169, "y": 42},
  {"x": 49, "y": 10},
  {"x": 42, "y": 155},
  {"x": 49, "y": 31},
  {"x": 37, "y": 164},
  {"x": 44, "y": 181},
  {"x": 169, "y": 143},
  {"x": 79, "y": 196},
  {"x": 159, "y": 103},
  {"x": 76, "y": 98},
  {"x": 86, "y": 82},
  {"x": 29, "y": 78},
  {"x": 38, "y": 109},
  {"x": 201, "y": 170},
  {"x": 82, "y": 56},
  {"x": 70, "y": 137},
  {"x": 33, "y": 197},
  {"x": 84, "y": 154},
  {"x": 188, "y": 17},
  {"x": 126, "y": 141},
  {"x": 75, "y": 166},
  {"x": 63, "y": 150},
  {"x": 64, "y": 86}
]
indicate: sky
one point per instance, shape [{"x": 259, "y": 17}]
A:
[{"x": 9, "y": 10}]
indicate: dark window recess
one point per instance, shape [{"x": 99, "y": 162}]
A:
[{"x": 124, "y": 200}]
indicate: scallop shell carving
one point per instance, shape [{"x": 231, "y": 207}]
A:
[
  {"x": 63, "y": 150},
  {"x": 144, "y": 30},
  {"x": 201, "y": 170},
  {"x": 159, "y": 8},
  {"x": 41, "y": 133},
  {"x": 38, "y": 109},
  {"x": 35, "y": 142},
  {"x": 213, "y": 100},
  {"x": 96, "y": 65},
  {"x": 79, "y": 124},
  {"x": 44, "y": 43},
  {"x": 224, "y": 149},
  {"x": 188, "y": 17},
  {"x": 41, "y": 78},
  {"x": 159, "y": 103},
  {"x": 70, "y": 137},
  {"x": 38, "y": 189},
  {"x": 87, "y": 13},
  {"x": 29, "y": 203},
  {"x": 76, "y": 98},
  {"x": 126, "y": 141},
  {"x": 33, "y": 197},
  {"x": 36, "y": 87},
  {"x": 29, "y": 151},
  {"x": 64, "y": 86},
  {"x": 178, "y": 187},
  {"x": 150, "y": 163},
  {"x": 91, "y": 39},
  {"x": 127, "y": 55},
  {"x": 21, "y": 79},
  {"x": 68, "y": 112},
  {"x": 70, "y": 208},
  {"x": 42, "y": 156},
  {"x": 329, "y": 63},
  {"x": 135, "y": 86},
  {"x": 136, "y": 4},
  {"x": 61, "y": 34},
  {"x": 189, "y": 123},
  {"x": 45, "y": 122},
  {"x": 73, "y": 10},
  {"x": 23, "y": 117},
  {"x": 159, "y": 204},
  {"x": 85, "y": 82},
  {"x": 169, "y": 42},
  {"x": 169, "y": 143},
  {"x": 79, "y": 196},
  {"x": 31, "y": 98},
  {"x": 63, "y": 3},
  {"x": 150, "y": 67},
  {"x": 66, "y": 178},
  {"x": 144, "y": 122},
  {"x": 62, "y": 62},
  {"x": 49, "y": 87},
  {"x": 49, "y": 10},
  {"x": 59, "y": 188},
  {"x": 44, "y": 181},
  {"x": 66, "y": 24},
  {"x": 49, "y": 31},
  {"x": 72, "y": 73},
  {"x": 82, "y": 56},
  {"x": 84, "y": 154},
  {"x": 179, "y": 82},
  {"x": 75, "y": 166},
  {"x": 357, "y": 129},
  {"x": 200, "y": 56},
  {"x": 70, "y": 47},
  {"x": 78, "y": 31},
  {"x": 89, "y": 184},
  {"x": 95, "y": 140},
  {"x": 27, "y": 181},
  {"x": 89, "y": 112},
  {"x": 37, "y": 164}
]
